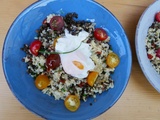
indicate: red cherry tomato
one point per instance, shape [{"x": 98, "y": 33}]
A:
[
  {"x": 44, "y": 21},
  {"x": 158, "y": 53},
  {"x": 53, "y": 61},
  {"x": 157, "y": 16},
  {"x": 35, "y": 46},
  {"x": 100, "y": 34},
  {"x": 57, "y": 23}
]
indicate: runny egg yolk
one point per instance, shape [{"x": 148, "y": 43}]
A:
[{"x": 78, "y": 65}]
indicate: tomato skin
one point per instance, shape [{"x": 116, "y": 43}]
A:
[
  {"x": 57, "y": 23},
  {"x": 100, "y": 34},
  {"x": 42, "y": 82},
  {"x": 158, "y": 53},
  {"x": 157, "y": 16},
  {"x": 112, "y": 60},
  {"x": 72, "y": 103},
  {"x": 35, "y": 46},
  {"x": 53, "y": 61}
]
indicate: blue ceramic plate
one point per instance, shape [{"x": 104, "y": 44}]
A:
[{"x": 22, "y": 32}]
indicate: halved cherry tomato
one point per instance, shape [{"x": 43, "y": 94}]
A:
[
  {"x": 100, "y": 34},
  {"x": 53, "y": 61},
  {"x": 157, "y": 16},
  {"x": 42, "y": 82},
  {"x": 72, "y": 102},
  {"x": 91, "y": 78},
  {"x": 35, "y": 46},
  {"x": 57, "y": 23},
  {"x": 112, "y": 60},
  {"x": 158, "y": 53}
]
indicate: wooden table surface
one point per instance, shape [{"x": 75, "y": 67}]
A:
[{"x": 140, "y": 100}]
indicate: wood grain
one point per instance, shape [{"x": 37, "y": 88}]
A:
[{"x": 140, "y": 100}]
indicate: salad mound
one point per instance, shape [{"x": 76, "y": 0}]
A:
[
  {"x": 71, "y": 59},
  {"x": 153, "y": 43}
]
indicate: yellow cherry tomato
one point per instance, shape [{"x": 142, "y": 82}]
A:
[
  {"x": 42, "y": 82},
  {"x": 72, "y": 102},
  {"x": 112, "y": 60},
  {"x": 91, "y": 78}
]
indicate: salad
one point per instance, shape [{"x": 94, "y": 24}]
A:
[
  {"x": 153, "y": 43},
  {"x": 70, "y": 59}
]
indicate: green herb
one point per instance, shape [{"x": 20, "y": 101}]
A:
[
  {"x": 46, "y": 52},
  {"x": 110, "y": 47},
  {"x": 63, "y": 90},
  {"x": 84, "y": 95}
]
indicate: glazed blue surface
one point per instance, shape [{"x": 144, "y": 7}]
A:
[{"x": 22, "y": 32}]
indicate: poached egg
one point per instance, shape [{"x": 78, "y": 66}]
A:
[{"x": 78, "y": 62}]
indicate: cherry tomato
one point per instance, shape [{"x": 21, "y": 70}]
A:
[
  {"x": 149, "y": 56},
  {"x": 91, "y": 78},
  {"x": 72, "y": 102},
  {"x": 42, "y": 82},
  {"x": 35, "y": 46},
  {"x": 157, "y": 16},
  {"x": 100, "y": 34},
  {"x": 112, "y": 60},
  {"x": 53, "y": 61},
  {"x": 57, "y": 23},
  {"x": 44, "y": 21},
  {"x": 158, "y": 53}
]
